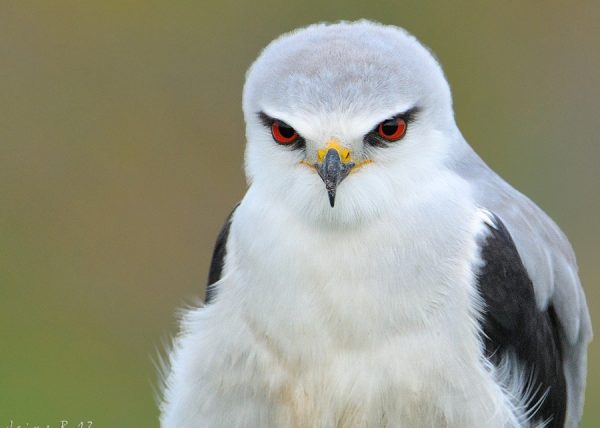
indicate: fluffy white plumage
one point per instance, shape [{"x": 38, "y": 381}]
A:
[{"x": 365, "y": 314}]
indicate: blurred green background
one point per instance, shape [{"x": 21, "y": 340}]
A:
[{"x": 121, "y": 143}]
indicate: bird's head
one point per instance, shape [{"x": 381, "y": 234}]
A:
[{"x": 344, "y": 120}]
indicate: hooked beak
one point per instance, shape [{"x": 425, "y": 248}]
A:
[{"x": 334, "y": 166}]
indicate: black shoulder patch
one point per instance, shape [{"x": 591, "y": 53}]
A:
[
  {"x": 218, "y": 259},
  {"x": 513, "y": 323}
]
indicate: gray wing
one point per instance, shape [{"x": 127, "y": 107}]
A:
[
  {"x": 550, "y": 263},
  {"x": 218, "y": 259}
]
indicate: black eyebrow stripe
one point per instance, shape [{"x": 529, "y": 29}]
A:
[
  {"x": 408, "y": 115},
  {"x": 265, "y": 118},
  {"x": 268, "y": 120}
]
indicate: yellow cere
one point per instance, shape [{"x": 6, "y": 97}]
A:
[
  {"x": 334, "y": 144},
  {"x": 344, "y": 153}
]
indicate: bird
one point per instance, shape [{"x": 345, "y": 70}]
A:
[{"x": 377, "y": 273}]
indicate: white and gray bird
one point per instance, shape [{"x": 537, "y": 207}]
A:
[{"x": 377, "y": 273}]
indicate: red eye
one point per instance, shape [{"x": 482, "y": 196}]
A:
[
  {"x": 392, "y": 129},
  {"x": 283, "y": 133}
]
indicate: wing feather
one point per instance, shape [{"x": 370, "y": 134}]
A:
[
  {"x": 549, "y": 261},
  {"x": 218, "y": 259}
]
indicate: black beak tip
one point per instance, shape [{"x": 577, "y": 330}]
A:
[{"x": 331, "y": 199}]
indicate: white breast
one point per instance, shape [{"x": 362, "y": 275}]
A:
[{"x": 371, "y": 326}]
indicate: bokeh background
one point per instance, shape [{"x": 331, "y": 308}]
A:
[{"x": 121, "y": 145}]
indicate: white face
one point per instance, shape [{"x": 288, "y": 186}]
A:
[{"x": 355, "y": 114}]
